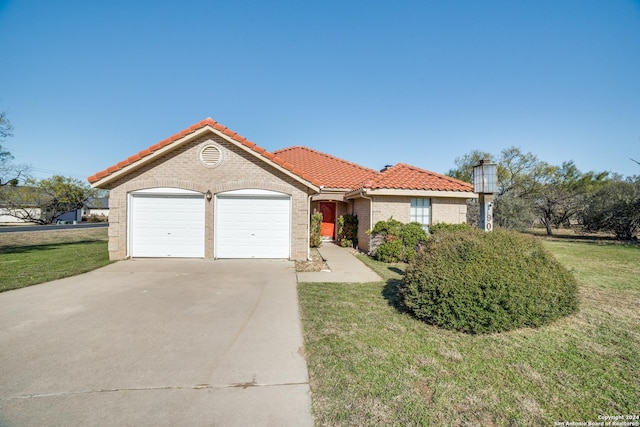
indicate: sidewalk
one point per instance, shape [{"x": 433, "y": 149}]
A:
[{"x": 345, "y": 267}]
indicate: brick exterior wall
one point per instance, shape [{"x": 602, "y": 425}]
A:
[
  {"x": 449, "y": 210},
  {"x": 361, "y": 209},
  {"x": 183, "y": 169},
  {"x": 342, "y": 209},
  {"x": 385, "y": 207}
]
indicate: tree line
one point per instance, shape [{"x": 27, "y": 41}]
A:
[
  {"x": 532, "y": 191},
  {"x": 31, "y": 200}
]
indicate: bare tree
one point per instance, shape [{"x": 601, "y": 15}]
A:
[
  {"x": 5, "y": 127},
  {"x": 10, "y": 173}
]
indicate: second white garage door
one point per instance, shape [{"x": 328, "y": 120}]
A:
[{"x": 252, "y": 224}]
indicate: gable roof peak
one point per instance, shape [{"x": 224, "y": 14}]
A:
[{"x": 145, "y": 155}]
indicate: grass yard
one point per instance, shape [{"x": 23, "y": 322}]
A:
[
  {"x": 35, "y": 257},
  {"x": 370, "y": 364}
]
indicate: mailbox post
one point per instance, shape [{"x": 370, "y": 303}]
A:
[{"x": 485, "y": 183}]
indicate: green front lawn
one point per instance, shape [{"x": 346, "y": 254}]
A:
[
  {"x": 40, "y": 256},
  {"x": 370, "y": 364}
]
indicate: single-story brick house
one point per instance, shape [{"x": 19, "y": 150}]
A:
[{"x": 207, "y": 192}]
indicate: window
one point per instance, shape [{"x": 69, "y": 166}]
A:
[{"x": 421, "y": 212}]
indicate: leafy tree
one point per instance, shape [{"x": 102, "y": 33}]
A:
[
  {"x": 514, "y": 211},
  {"x": 615, "y": 208},
  {"x": 44, "y": 201},
  {"x": 516, "y": 170},
  {"x": 518, "y": 174},
  {"x": 561, "y": 196},
  {"x": 464, "y": 165},
  {"x": 530, "y": 189}
]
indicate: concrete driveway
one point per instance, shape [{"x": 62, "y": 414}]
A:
[{"x": 156, "y": 342}]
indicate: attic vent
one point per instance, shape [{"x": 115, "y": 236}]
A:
[{"x": 211, "y": 155}]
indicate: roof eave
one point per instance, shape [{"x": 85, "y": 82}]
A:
[
  {"x": 414, "y": 193},
  {"x": 104, "y": 181}
]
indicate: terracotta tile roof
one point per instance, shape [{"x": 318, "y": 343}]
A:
[
  {"x": 330, "y": 171},
  {"x": 406, "y": 177},
  {"x": 204, "y": 123},
  {"x": 315, "y": 167}
]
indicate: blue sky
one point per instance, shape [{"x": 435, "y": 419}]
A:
[{"x": 86, "y": 84}]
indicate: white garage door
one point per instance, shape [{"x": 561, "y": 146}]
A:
[
  {"x": 167, "y": 225},
  {"x": 252, "y": 224}
]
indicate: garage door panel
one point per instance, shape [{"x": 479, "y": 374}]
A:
[
  {"x": 253, "y": 227},
  {"x": 167, "y": 226}
]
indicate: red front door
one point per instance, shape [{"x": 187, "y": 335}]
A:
[{"x": 328, "y": 211}]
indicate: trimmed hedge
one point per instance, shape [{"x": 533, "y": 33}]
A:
[
  {"x": 348, "y": 231},
  {"x": 315, "y": 235},
  {"x": 479, "y": 282},
  {"x": 443, "y": 227},
  {"x": 394, "y": 241}
]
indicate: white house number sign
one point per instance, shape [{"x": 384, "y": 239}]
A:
[{"x": 488, "y": 217}]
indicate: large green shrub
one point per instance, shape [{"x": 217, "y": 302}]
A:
[
  {"x": 480, "y": 282},
  {"x": 348, "y": 230},
  {"x": 315, "y": 230},
  {"x": 394, "y": 241},
  {"x": 411, "y": 235}
]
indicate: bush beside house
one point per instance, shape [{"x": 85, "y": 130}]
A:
[
  {"x": 443, "y": 227},
  {"x": 479, "y": 282},
  {"x": 348, "y": 231},
  {"x": 394, "y": 241},
  {"x": 315, "y": 235}
]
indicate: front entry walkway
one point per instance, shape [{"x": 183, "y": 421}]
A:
[{"x": 345, "y": 267}]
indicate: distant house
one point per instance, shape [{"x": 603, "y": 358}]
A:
[
  {"x": 29, "y": 210},
  {"x": 8, "y": 192},
  {"x": 5, "y": 218},
  {"x": 69, "y": 217},
  {"x": 98, "y": 206},
  {"x": 207, "y": 192}
]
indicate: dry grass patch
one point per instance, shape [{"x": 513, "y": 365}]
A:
[
  {"x": 34, "y": 257},
  {"x": 314, "y": 264},
  {"x": 34, "y": 238}
]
